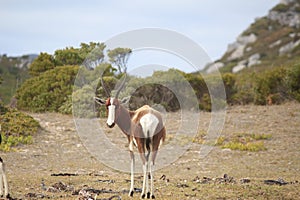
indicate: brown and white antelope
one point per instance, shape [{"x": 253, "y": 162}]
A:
[
  {"x": 144, "y": 129},
  {"x": 3, "y": 180}
]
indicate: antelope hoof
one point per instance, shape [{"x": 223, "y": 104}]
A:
[
  {"x": 7, "y": 196},
  {"x": 143, "y": 196},
  {"x": 148, "y": 195},
  {"x": 152, "y": 196},
  {"x": 130, "y": 193}
]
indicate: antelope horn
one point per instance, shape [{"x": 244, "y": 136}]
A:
[
  {"x": 121, "y": 86},
  {"x": 103, "y": 86}
]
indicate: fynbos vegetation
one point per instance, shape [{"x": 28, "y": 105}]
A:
[{"x": 16, "y": 128}]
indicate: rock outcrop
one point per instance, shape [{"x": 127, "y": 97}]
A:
[
  {"x": 286, "y": 13},
  {"x": 269, "y": 40},
  {"x": 236, "y": 49}
]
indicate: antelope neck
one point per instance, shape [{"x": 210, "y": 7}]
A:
[{"x": 124, "y": 120}]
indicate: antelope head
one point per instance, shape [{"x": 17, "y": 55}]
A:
[{"x": 112, "y": 104}]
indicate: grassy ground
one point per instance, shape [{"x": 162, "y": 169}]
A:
[{"x": 58, "y": 166}]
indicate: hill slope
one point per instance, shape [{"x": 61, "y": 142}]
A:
[{"x": 273, "y": 40}]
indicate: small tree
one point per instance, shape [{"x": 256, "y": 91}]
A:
[
  {"x": 119, "y": 57},
  {"x": 92, "y": 54}
]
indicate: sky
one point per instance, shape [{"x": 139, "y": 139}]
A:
[{"x": 34, "y": 26}]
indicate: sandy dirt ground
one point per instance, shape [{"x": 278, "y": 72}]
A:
[{"x": 58, "y": 166}]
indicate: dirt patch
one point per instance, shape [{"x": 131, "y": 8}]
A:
[{"x": 58, "y": 160}]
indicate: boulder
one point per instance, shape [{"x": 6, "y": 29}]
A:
[
  {"x": 214, "y": 67},
  {"x": 240, "y": 66},
  {"x": 289, "y": 18},
  {"x": 237, "y": 53},
  {"x": 237, "y": 48},
  {"x": 274, "y": 44},
  {"x": 288, "y": 47},
  {"x": 254, "y": 60}
]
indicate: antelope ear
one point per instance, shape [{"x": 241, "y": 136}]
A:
[
  {"x": 125, "y": 100},
  {"x": 99, "y": 101}
]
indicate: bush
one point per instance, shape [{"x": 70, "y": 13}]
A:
[
  {"x": 271, "y": 86},
  {"x": 67, "y": 106},
  {"x": 16, "y": 128},
  {"x": 83, "y": 102},
  {"x": 244, "y": 89},
  {"x": 151, "y": 94},
  {"x": 3, "y": 109},
  {"x": 216, "y": 88},
  {"x": 294, "y": 82},
  {"x": 48, "y": 91},
  {"x": 205, "y": 103},
  {"x": 41, "y": 64},
  {"x": 229, "y": 80},
  {"x": 244, "y": 141},
  {"x": 198, "y": 84},
  {"x": 253, "y": 146}
]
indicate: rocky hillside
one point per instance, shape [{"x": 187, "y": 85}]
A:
[{"x": 273, "y": 40}]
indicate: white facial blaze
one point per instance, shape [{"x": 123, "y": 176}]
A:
[{"x": 111, "y": 113}]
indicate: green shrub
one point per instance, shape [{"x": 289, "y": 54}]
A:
[
  {"x": 48, "y": 91},
  {"x": 3, "y": 109},
  {"x": 83, "y": 102},
  {"x": 67, "y": 106},
  {"x": 16, "y": 128},
  {"x": 216, "y": 88},
  {"x": 262, "y": 136},
  {"x": 244, "y": 141},
  {"x": 243, "y": 96},
  {"x": 156, "y": 94},
  {"x": 271, "y": 85},
  {"x": 294, "y": 82},
  {"x": 244, "y": 89},
  {"x": 41, "y": 64},
  {"x": 205, "y": 103},
  {"x": 229, "y": 80},
  {"x": 13, "y": 141},
  {"x": 198, "y": 84},
  {"x": 251, "y": 146}
]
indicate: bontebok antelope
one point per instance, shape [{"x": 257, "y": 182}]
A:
[
  {"x": 144, "y": 129},
  {"x": 3, "y": 180}
]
